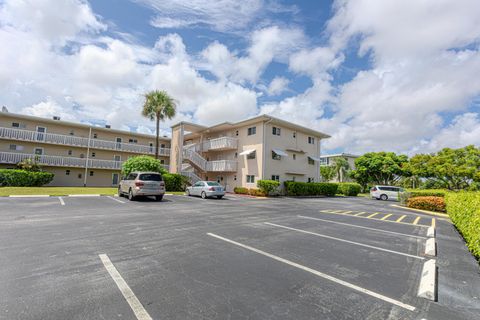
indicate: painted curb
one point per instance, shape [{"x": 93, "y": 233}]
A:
[
  {"x": 426, "y": 288},
  {"x": 430, "y": 247},
  {"x": 84, "y": 195},
  {"x": 431, "y": 232},
  {"x": 443, "y": 215}
]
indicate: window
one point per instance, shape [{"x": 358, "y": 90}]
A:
[
  {"x": 95, "y": 136},
  {"x": 236, "y": 155},
  {"x": 161, "y": 146},
  {"x": 275, "y": 131},
  {"x": 13, "y": 147},
  {"x": 311, "y": 179},
  {"x": 311, "y": 140},
  {"x": 72, "y": 133},
  {"x": 294, "y": 156},
  {"x": 250, "y": 179},
  {"x": 91, "y": 173},
  {"x": 252, "y": 131},
  {"x": 252, "y": 155},
  {"x": 236, "y": 133},
  {"x": 294, "y": 134},
  {"x": 162, "y": 161},
  {"x": 38, "y": 151},
  {"x": 70, "y": 152},
  {"x": 131, "y": 176},
  {"x": 235, "y": 178},
  {"x": 93, "y": 154},
  {"x": 82, "y": 155},
  {"x": 275, "y": 177},
  {"x": 324, "y": 161},
  {"x": 79, "y": 176},
  {"x": 133, "y": 141},
  {"x": 15, "y": 125},
  {"x": 293, "y": 179},
  {"x": 67, "y": 172},
  {"x": 275, "y": 156},
  {"x": 311, "y": 161}
]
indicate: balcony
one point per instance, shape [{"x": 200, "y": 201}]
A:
[
  {"x": 58, "y": 161},
  {"x": 222, "y": 166},
  {"x": 51, "y": 138},
  {"x": 223, "y": 143}
]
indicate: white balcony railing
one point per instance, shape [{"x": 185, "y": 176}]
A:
[
  {"x": 26, "y": 135},
  {"x": 220, "y": 144},
  {"x": 222, "y": 166}
]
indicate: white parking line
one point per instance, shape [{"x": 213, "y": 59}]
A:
[
  {"x": 115, "y": 199},
  {"x": 318, "y": 273},
  {"x": 343, "y": 240},
  {"x": 127, "y": 293},
  {"x": 61, "y": 201},
  {"x": 362, "y": 227}
]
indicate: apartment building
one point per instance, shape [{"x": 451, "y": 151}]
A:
[
  {"x": 241, "y": 153},
  {"x": 329, "y": 160},
  {"x": 78, "y": 154}
]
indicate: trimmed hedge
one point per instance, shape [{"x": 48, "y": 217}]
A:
[
  {"x": 436, "y": 204},
  {"x": 174, "y": 182},
  {"x": 240, "y": 190},
  {"x": 23, "y": 178},
  {"x": 404, "y": 196},
  {"x": 293, "y": 188},
  {"x": 349, "y": 189},
  {"x": 464, "y": 210},
  {"x": 252, "y": 192},
  {"x": 268, "y": 187}
]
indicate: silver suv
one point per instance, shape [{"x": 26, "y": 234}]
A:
[{"x": 142, "y": 184}]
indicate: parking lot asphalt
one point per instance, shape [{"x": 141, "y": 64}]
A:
[{"x": 235, "y": 258}]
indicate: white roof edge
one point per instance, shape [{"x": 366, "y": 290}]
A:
[
  {"x": 339, "y": 155},
  {"x": 314, "y": 158},
  {"x": 245, "y": 152},
  {"x": 280, "y": 152}
]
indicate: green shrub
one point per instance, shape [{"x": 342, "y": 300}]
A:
[
  {"x": 240, "y": 190},
  {"x": 412, "y": 193},
  {"x": 464, "y": 210},
  {"x": 293, "y": 188},
  {"x": 349, "y": 189},
  {"x": 268, "y": 187},
  {"x": 29, "y": 165},
  {"x": 174, "y": 182},
  {"x": 142, "y": 163},
  {"x": 256, "y": 193},
  {"x": 436, "y": 204},
  {"x": 23, "y": 178}
]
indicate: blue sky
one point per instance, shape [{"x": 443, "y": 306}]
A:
[{"x": 395, "y": 75}]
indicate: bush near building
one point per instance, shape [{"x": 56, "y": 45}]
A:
[
  {"x": 268, "y": 187},
  {"x": 293, "y": 188},
  {"x": 251, "y": 192},
  {"x": 240, "y": 190},
  {"x": 142, "y": 163},
  {"x": 174, "y": 182},
  {"x": 430, "y": 203},
  {"x": 412, "y": 193},
  {"x": 464, "y": 210},
  {"x": 24, "y": 178},
  {"x": 349, "y": 189}
]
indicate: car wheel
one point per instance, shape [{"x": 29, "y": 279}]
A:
[
  {"x": 384, "y": 197},
  {"x": 131, "y": 197},
  {"x": 204, "y": 195},
  {"x": 159, "y": 198},
  {"x": 219, "y": 197}
]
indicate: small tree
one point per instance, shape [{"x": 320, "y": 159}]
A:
[
  {"x": 269, "y": 187},
  {"x": 142, "y": 163},
  {"x": 327, "y": 173},
  {"x": 29, "y": 165},
  {"x": 341, "y": 167}
]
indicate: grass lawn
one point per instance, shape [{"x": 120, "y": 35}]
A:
[
  {"x": 55, "y": 191},
  {"x": 61, "y": 191}
]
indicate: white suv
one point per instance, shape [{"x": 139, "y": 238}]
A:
[
  {"x": 385, "y": 192},
  {"x": 142, "y": 184}
]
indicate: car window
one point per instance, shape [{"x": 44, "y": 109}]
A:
[
  {"x": 380, "y": 188},
  {"x": 198, "y": 184},
  {"x": 150, "y": 177},
  {"x": 131, "y": 176},
  {"x": 210, "y": 183}
]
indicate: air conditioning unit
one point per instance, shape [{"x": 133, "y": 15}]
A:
[
  {"x": 56, "y": 118},
  {"x": 107, "y": 126}
]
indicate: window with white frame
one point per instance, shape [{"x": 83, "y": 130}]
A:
[
  {"x": 13, "y": 147},
  {"x": 95, "y": 136},
  {"x": 275, "y": 156},
  {"x": 250, "y": 178},
  {"x": 311, "y": 179},
  {"x": 310, "y": 161},
  {"x": 38, "y": 151},
  {"x": 91, "y": 173},
  {"x": 294, "y": 156},
  {"x": 70, "y": 152},
  {"x": 67, "y": 172},
  {"x": 252, "y": 130},
  {"x": 311, "y": 140},
  {"x": 252, "y": 155},
  {"x": 275, "y": 177},
  {"x": 275, "y": 131}
]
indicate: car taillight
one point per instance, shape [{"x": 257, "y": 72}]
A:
[
  {"x": 162, "y": 184},
  {"x": 139, "y": 184},
  {"x": 211, "y": 189},
  {"x": 374, "y": 189}
]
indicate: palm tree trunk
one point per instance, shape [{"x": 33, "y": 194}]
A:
[{"x": 157, "y": 137}]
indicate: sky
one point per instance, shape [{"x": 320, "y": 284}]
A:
[{"x": 390, "y": 75}]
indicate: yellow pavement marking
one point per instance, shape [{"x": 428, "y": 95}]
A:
[
  {"x": 360, "y": 213},
  {"x": 416, "y": 220},
  {"x": 347, "y": 211},
  {"x": 337, "y": 211},
  {"x": 401, "y": 218},
  {"x": 433, "y": 222},
  {"x": 373, "y": 215},
  {"x": 388, "y": 215}
]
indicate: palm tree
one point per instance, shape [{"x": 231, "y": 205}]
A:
[
  {"x": 158, "y": 106},
  {"x": 341, "y": 167}
]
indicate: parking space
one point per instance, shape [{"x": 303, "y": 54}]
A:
[{"x": 235, "y": 258}]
